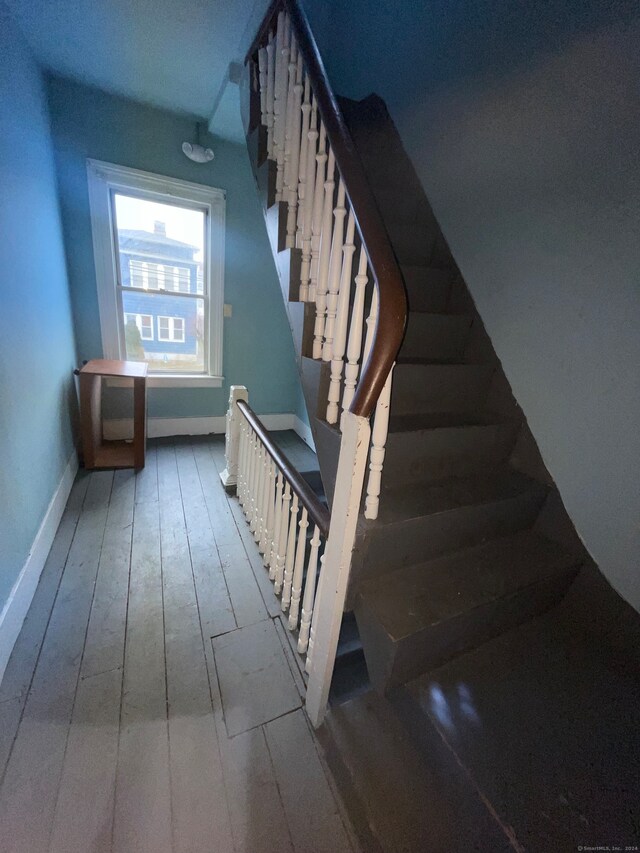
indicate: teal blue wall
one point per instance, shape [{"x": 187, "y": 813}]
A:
[
  {"x": 523, "y": 123},
  {"x": 36, "y": 334},
  {"x": 258, "y": 348}
]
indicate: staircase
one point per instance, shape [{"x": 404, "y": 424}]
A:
[
  {"x": 471, "y": 538},
  {"x": 506, "y": 668}
]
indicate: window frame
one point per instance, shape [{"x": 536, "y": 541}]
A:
[
  {"x": 106, "y": 179},
  {"x": 171, "y": 328}
]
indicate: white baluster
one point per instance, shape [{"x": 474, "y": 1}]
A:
[
  {"x": 309, "y": 592},
  {"x": 294, "y": 161},
  {"x": 334, "y": 277},
  {"x": 312, "y": 632},
  {"x": 242, "y": 462},
  {"x": 324, "y": 258},
  {"x": 276, "y": 528},
  {"x": 372, "y": 319},
  {"x": 271, "y": 70},
  {"x": 257, "y": 489},
  {"x": 272, "y": 512},
  {"x": 277, "y": 85},
  {"x": 282, "y": 112},
  {"x": 264, "y": 514},
  {"x": 291, "y": 555},
  {"x": 309, "y": 196},
  {"x": 318, "y": 206},
  {"x": 282, "y": 539},
  {"x": 305, "y": 110},
  {"x": 249, "y": 465},
  {"x": 263, "y": 489},
  {"x": 247, "y": 468},
  {"x": 341, "y": 322},
  {"x": 257, "y": 467},
  {"x": 267, "y": 532},
  {"x": 262, "y": 79},
  {"x": 354, "y": 345},
  {"x": 292, "y": 63},
  {"x": 298, "y": 570},
  {"x": 376, "y": 456}
]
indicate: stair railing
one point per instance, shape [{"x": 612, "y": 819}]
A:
[
  {"x": 330, "y": 216},
  {"x": 282, "y": 510}
]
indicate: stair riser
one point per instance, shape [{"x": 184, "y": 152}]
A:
[
  {"x": 257, "y": 147},
  {"x": 414, "y": 243},
  {"x": 299, "y": 314},
  {"x": 419, "y": 389},
  {"x": 315, "y": 386},
  {"x": 266, "y": 180},
  {"x": 435, "y": 454},
  {"x": 438, "y": 337},
  {"x": 274, "y": 218},
  {"x": 428, "y": 290},
  {"x": 391, "y": 663},
  {"x": 288, "y": 262},
  {"x": 419, "y": 539}
]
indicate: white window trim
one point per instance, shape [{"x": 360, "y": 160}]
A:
[{"x": 103, "y": 178}]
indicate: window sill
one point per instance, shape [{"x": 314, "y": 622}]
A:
[
  {"x": 197, "y": 381},
  {"x": 185, "y": 381}
]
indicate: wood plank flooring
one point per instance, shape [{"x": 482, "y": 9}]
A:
[{"x": 113, "y": 734}]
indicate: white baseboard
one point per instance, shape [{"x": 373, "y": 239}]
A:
[
  {"x": 115, "y": 429},
  {"x": 20, "y": 597}
]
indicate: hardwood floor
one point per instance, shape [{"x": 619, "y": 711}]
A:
[{"x": 114, "y": 732}]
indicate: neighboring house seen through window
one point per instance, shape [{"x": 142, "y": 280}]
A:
[{"x": 159, "y": 247}]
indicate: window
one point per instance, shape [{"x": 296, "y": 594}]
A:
[
  {"x": 159, "y": 252},
  {"x": 144, "y": 324},
  {"x": 171, "y": 329}
]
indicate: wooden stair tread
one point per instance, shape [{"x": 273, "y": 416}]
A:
[
  {"x": 421, "y": 499},
  {"x": 422, "y": 807},
  {"x": 435, "y": 420},
  {"x": 443, "y": 420},
  {"x": 415, "y": 597},
  {"x": 557, "y": 696}
]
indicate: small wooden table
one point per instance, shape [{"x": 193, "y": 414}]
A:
[{"x": 112, "y": 454}]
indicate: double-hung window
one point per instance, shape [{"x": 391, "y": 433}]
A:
[{"x": 159, "y": 252}]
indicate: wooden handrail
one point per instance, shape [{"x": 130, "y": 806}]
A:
[
  {"x": 392, "y": 297},
  {"x": 317, "y": 511}
]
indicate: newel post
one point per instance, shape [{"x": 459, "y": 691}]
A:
[
  {"x": 229, "y": 476},
  {"x": 334, "y": 577}
]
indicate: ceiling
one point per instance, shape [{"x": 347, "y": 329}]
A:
[{"x": 173, "y": 54}]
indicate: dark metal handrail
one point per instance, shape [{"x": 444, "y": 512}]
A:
[
  {"x": 392, "y": 297},
  {"x": 317, "y": 511}
]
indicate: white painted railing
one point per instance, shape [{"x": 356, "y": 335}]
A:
[
  {"x": 320, "y": 223},
  {"x": 306, "y": 552},
  {"x": 349, "y": 274}
]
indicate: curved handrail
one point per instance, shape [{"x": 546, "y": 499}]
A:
[
  {"x": 392, "y": 297},
  {"x": 317, "y": 511}
]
